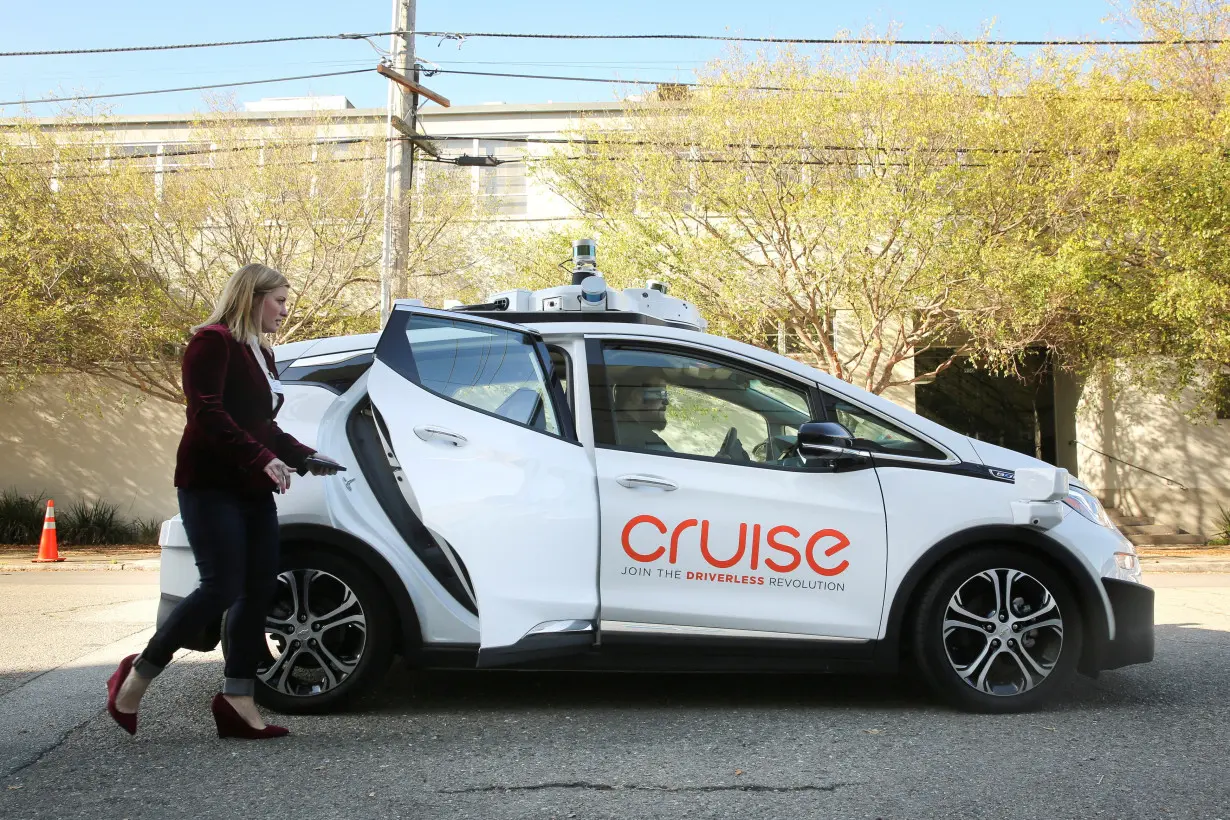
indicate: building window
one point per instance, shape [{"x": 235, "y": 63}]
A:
[
  {"x": 500, "y": 188},
  {"x": 185, "y": 155},
  {"x": 135, "y": 155},
  {"x": 503, "y": 185}
]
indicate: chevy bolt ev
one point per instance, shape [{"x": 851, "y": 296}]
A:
[{"x": 581, "y": 478}]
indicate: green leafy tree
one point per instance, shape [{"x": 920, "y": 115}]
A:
[{"x": 117, "y": 254}]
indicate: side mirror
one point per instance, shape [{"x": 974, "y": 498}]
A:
[{"x": 826, "y": 439}]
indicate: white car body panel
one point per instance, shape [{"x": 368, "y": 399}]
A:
[
  {"x": 738, "y": 514},
  {"x": 517, "y": 505},
  {"x": 353, "y": 509}
]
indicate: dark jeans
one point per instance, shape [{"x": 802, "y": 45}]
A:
[{"x": 234, "y": 538}]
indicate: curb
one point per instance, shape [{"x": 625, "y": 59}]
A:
[
  {"x": 1185, "y": 565},
  {"x": 143, "y": 564}
]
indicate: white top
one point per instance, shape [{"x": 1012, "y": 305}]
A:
[{"x": 275, "y": 386}]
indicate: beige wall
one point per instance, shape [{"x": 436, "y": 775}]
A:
[
  {"x": 848, "y": 344},
  {"x": 1151, "y": 432},
  {"x": 99, "y": 445}
]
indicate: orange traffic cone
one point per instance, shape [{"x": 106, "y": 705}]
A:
[{"x": 48, "y": 551}]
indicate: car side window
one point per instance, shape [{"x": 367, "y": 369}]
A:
[
  {"x": 492, "y": 369},
  {"x": 672, "y": 402},
  {"x": 874, "y": 433}
]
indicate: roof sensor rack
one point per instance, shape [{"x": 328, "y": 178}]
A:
[{"x": 591, "y": 297}]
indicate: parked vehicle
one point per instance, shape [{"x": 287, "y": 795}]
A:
[{"x": 583, "y": 478}]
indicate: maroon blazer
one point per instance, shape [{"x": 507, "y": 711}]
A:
[{"x": 231, "y": 434}]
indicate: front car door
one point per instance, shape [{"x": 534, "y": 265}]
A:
[
  {"x": 711, "y": 523},
  {"x": 485, "y": 454}
]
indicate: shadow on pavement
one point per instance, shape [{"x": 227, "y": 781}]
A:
[{"x": 431, "y": 691}]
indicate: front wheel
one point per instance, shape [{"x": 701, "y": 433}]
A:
[
  {"x": 329, "y": 634},
  {"x": 997, "y": 630}
]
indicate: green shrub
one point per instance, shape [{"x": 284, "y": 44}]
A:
[
  {"x": 1223, "y": 522},
  {"x": 146, "y": 530},
  {"x": 96, "y": 522},
  {"x": 21, "y": 518}
]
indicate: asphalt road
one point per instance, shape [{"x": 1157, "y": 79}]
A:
[{"x": 1144, "y": 742}]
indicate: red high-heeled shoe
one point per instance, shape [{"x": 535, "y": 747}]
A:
[
  {"x": 126, "y": 720},
  {"x": 231, "y": 724}
]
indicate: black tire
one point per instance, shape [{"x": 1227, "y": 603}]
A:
[
  {"x": 328, "y": 667},
  {"x": 1019, "y": 670}
]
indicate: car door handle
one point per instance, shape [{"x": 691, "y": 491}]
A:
[
  {"x": 429, "y": 433},
  {"x": 651, "y": 481}
]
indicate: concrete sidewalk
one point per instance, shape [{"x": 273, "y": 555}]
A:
[
  {"x": 1195, "y": 559},
  {"x": 19, "y": 558}
]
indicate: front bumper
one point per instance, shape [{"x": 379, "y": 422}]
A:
[{"x": 1132, "y": 605}]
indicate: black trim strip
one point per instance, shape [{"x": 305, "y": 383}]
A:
[
  {"x": 369, "y": 452},
  {"x": 636, "y": 653},
  {"x": 962, "y": 468},
  {"x": 338, "y": 377},
  {"x": 842, "y": 465},
  {"x": 536, "y": 647}
]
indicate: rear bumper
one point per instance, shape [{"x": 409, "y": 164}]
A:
[{"x": 1132, "y": 605}]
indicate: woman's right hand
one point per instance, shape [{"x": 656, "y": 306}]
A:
[{"x": 280, "y": 473}]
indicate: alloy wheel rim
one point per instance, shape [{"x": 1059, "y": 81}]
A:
[
  {"x": 1003, "y": 632},
  {"x": 316, "y": 633}
]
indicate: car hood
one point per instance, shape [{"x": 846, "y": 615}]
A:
[{"x": 993, "y": 455}]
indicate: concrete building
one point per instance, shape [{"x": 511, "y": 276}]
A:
[{"x": 1139, "y": 453}]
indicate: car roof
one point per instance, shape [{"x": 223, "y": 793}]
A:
[{"x": 329, "y": 344}]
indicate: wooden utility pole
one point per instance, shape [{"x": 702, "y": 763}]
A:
[{"x": 399, "y": 161}]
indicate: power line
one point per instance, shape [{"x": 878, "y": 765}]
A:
[
  {"x": 197, "y": 168},
  {"x": 829, "y": 41},
  {"x": 214, "y": 152},
  {"x": 191, "y": 152},
  {"x": 185, "y": 88},
  {"x": 616, "y": 143},
  {"x": 194, "y": 168},
  {"x": 684, "y": 84},
  {"x": 196, "y": 45},
  {"x": 612, "y": 81},
  {"x": 463, "y": 35},
  {"x": 620, "y": 143}
]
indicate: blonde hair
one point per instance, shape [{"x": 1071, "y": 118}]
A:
[{"x": 237, "y": 307}]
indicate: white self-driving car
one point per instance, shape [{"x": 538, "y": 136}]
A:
[{"x": 582, "y": 478}]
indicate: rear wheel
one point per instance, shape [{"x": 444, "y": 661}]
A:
[
  {"x": 997, "y": 630},
  {"x": 329, "y": 633}
]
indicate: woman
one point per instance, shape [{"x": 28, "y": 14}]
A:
[{"x": 231, "y": 459}]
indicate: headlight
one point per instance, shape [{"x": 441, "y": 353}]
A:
[{"x": 1085, "y": 504}]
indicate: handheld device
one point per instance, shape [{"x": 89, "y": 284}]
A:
[{"x": 313, "y": 461}]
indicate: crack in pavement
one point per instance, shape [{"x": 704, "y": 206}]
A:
[
  {"x": 38, "y": 758},
  {"x": 608, "y": 787}
]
